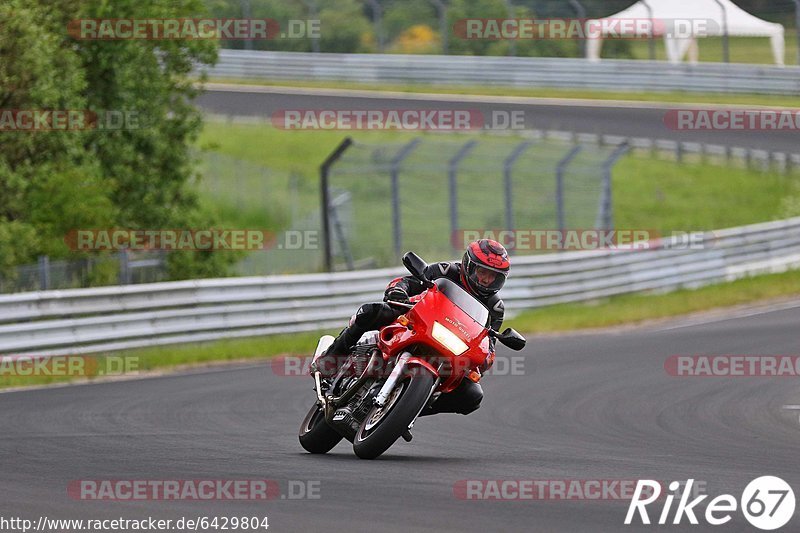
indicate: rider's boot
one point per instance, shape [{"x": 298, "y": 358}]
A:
[{"x": 344, "y": 343}]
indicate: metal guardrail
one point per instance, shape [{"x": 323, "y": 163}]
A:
[
  {"x": 619, "y": 75},
  {"x": 113, "y": 318}
]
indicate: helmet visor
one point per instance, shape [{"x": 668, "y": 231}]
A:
[{"x": 487, "y": 279}]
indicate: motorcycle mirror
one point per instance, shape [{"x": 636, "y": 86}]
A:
[
  {"x": 512, "y": 339},
  {"x": 416, "y": 266}
]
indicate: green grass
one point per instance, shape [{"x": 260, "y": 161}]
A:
[
  {"x": 634, "y": 308},
  {"x": 754, "y": 50},
  {"x": 667, "y": 196},
  {"x": 542, "y": 92}
]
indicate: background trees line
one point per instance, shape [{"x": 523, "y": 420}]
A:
[{"x": 417, "y": 26}]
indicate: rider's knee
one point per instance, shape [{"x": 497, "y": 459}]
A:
[
  {"x": 471, "y": 399},
  {"x": 366, "y": 315}
]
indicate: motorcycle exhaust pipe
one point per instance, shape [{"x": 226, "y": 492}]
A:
[{"x": 320, "y": 397}]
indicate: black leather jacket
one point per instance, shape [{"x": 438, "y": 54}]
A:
[{"x": 451, "y": 271}]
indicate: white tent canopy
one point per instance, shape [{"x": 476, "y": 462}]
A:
[{"x": 740, "y": 23}]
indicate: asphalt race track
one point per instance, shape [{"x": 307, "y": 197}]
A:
[
  {"x": 630, "y": 120},
  {"x": 589, "y": 406}
]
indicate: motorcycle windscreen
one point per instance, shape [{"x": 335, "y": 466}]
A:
[{"x": 464, "y": 301}]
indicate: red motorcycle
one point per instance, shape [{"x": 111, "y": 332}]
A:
[{"x": 373, "y": 397}]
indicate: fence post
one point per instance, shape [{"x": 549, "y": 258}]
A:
[
  {"x": 313, "y": 11},
  {"x": 797, "y": 27},
  {"x": 726, "y": 54},
  {"x": 324, "y": 171},
  {"x": 44, "y": 272},
  {"x": 562, "y": 166},
  {"x": 124, "y": 267},
  {"x": 441, "y": 10},
  {"x": 452, "y": 178},
  {"x": 509, "y": 187},
  {"x": 605, "y": 218},
  {"x": 581, "y": 12},
  {"x": 377, "y": 16},
  {"x": 337, "y": 228},
  {"x": 651, "y": 43},
  {"x": 395, "y": 177}
]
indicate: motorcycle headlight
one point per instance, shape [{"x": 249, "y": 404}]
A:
[{"x": 448, "y": 339}]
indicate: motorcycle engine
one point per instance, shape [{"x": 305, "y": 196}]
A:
[{"x": 348, "y": 418}]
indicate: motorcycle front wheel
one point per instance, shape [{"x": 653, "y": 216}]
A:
[{"x": 384, "y": 425}]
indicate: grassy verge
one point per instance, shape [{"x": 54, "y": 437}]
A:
[
  {"x": 540, "y": 92},
  {"x": 618, "y": 310},
  {"x": 633, "y": 308},
  {"x": 752, "y": 50},
  {"x": 166, "y": 357}
]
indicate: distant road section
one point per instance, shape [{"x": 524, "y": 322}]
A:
[{"x": 629, "y": 119}]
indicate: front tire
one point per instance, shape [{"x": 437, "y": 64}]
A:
[
  {"x": 383, "y": 426},
  {"x": 316, "y": 436}
]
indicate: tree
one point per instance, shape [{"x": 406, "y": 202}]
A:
[{"x": 140, "y": 176}]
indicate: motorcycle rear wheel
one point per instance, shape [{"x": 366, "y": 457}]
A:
[
  {"x": 383, "y": 426},
  {"x": 316, "y": 436}
]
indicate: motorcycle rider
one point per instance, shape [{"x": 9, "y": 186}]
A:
[{"x": 481, "y": 272}]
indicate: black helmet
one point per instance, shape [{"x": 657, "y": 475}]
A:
[{"x": 484, "y": 267}]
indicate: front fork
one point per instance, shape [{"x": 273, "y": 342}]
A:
[{"x": 403, "y": 362}]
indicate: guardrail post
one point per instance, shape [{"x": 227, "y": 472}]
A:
[
  {"x": 509, "y": 187},
  {"x": 605, "y": 213},
  {"x": 44, "y": 272},
  {"x": 452, "y": 179},
  {"x": 324, "y": 171},
  {"x": 395, "y": 177},
  {"x": 562, "y": 166}
]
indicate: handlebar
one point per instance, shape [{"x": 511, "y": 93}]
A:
[{"x": 407, "y": 305}]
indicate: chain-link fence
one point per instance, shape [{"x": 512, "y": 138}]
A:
[
  {"x": 247, "y": 195},
  {"x": 431, "y": 194},
  {"x": 123, "y": 268}
]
